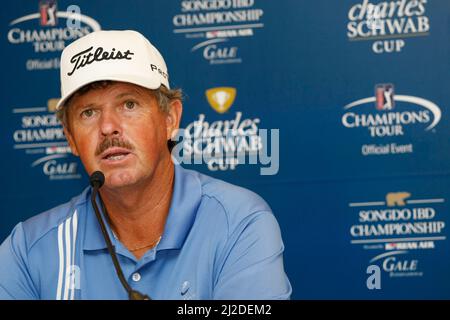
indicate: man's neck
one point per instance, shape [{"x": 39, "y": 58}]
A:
[{"x": 138, "y": 214}]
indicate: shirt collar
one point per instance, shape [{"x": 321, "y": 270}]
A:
[{"x": 183, "y": 207}]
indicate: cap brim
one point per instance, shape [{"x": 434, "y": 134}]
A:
[{"x": 143, "y": 82}]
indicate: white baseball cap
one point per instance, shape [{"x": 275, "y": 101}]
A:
[{"x": 111, "y": 55}]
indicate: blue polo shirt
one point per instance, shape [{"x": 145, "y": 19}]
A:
[{"x": 220, "y": 242}]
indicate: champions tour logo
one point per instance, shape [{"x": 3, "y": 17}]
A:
[
  {"x": 391, "y": 114},
  {"x": 224, "y": 144},
  {"x": 48, "y": 31},
  {"x": 387, "y": 22}
]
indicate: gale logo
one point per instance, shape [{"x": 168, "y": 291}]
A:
[
  {"x": 397, "y": 266},
  {"x": 55, "y": 168},
  {"x": 217, "y": 53},
  {"x": 221, "y": 98}
]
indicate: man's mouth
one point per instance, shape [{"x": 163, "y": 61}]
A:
[
  {"x": 114, "y": 154},
  {"x": 115, "y": 157}
]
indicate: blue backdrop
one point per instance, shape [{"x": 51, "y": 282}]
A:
[{"x": 358, "y": 89}]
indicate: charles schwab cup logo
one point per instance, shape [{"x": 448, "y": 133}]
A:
[
  {"x": 387, "y": 23},
  {"x": 227, "y": 142},
  {"x": 49, "y": 31},
  {"x": 221, "y": 142},
  {"x": 388, "y": 114}
]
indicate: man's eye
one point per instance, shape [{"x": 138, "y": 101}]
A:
[
  {"x": 130, "y": 105},
  {"x": 87, "y": 113}
]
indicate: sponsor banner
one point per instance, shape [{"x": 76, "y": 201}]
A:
[
  {"x": 358, "y": 94},
  {"x": 38, "y": 136},
  {"x": 214, "y": 26},
  {"x": 397, "y": 229},
  {"x": 34, "y": 131},
  {"x": 387, "y": 119}
]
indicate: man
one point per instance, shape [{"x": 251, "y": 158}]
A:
[{"x": 177, "y": 234}]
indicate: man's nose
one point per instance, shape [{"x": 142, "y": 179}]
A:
[{"x": 110, "y": 123}]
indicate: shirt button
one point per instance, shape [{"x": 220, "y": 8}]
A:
[{"x": 136, "y": 277}]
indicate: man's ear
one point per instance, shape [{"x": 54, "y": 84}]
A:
[
  {"x": 71, "y": 141},
  {"x": 173, "y": 118}
]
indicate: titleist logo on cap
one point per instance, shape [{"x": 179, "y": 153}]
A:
[{"x": 86, "y": 57}]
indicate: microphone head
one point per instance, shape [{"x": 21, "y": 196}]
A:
[{"x": 97, "y": 179}]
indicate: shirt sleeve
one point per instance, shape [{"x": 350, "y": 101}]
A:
[
  {"x": 15, "y": 280},
  {"x": 253, "y": 262}
]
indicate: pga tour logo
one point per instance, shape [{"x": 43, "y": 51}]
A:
[
  {"x": 47, "y": 10},
  {"x": 384, "y": 94},
  {"x": 393, "y": 113}
]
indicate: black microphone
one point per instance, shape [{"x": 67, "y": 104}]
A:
[{"x": 97, "y": 179}]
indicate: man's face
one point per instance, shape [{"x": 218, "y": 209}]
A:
[{"x": 121, "y": 131}]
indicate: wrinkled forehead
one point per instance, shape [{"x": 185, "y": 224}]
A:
[{"x": 108, "y": 89}]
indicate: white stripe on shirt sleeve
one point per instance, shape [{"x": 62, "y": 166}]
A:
[
  {"x": 61, "y": 261},
  {"x": 68, "y": 258},
  {"x": 75, "y": 274}
]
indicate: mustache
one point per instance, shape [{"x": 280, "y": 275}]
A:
[{"x": 112, "y": 142}]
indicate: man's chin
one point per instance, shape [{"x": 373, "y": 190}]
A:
[{"x": 116, "y": 180}]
